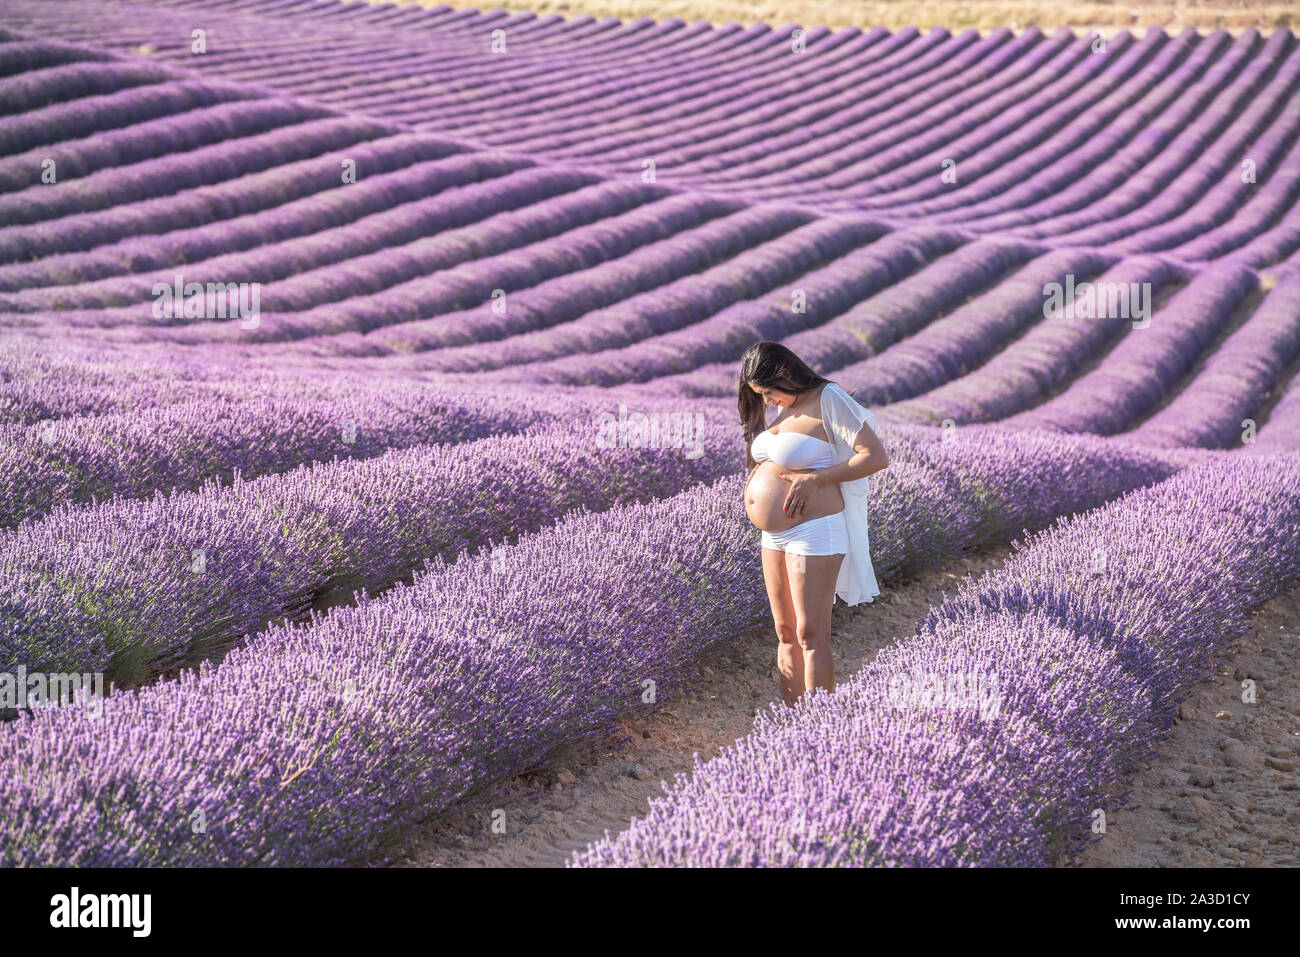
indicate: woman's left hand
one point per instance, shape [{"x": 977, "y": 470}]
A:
[{"x": 802, "y": 486}]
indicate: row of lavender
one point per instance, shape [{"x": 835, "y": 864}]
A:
[
  {"x": 132, "y": 587},
  {"x": 320, "y": 743},
  {"x": 67, "y": 376},
  {"x": 1020, "y": 709},
  {"x": 184, "y": 445}
]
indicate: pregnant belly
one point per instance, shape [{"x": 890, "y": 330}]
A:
[{"x": 766, "y": 491}]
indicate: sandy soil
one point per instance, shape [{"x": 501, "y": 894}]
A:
[
  {"x": 1225, "y": 791},
  {"x": 1106, "y": 16}
]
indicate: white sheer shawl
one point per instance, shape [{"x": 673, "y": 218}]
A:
[{"x": 843, "y": 417}]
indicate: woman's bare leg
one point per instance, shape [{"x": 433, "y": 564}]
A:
[
  {"x": 812, "y": 589},
  {"x": 789, "y": 654}
]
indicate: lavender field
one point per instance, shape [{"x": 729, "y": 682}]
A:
[{"x": 368, "y": 414}]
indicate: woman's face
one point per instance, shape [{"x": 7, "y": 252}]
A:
[{"x": 774, "y": 396}]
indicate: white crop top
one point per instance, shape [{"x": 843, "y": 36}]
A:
[{"x": 793, "y": 450}]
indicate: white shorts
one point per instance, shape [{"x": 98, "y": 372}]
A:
[{"x": 828, "y": 535}]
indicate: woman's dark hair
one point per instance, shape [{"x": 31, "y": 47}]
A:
[{"x": 769, "y": 365}]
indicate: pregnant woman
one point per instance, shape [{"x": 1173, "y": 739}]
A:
[{"x": 807, "y": 492}]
